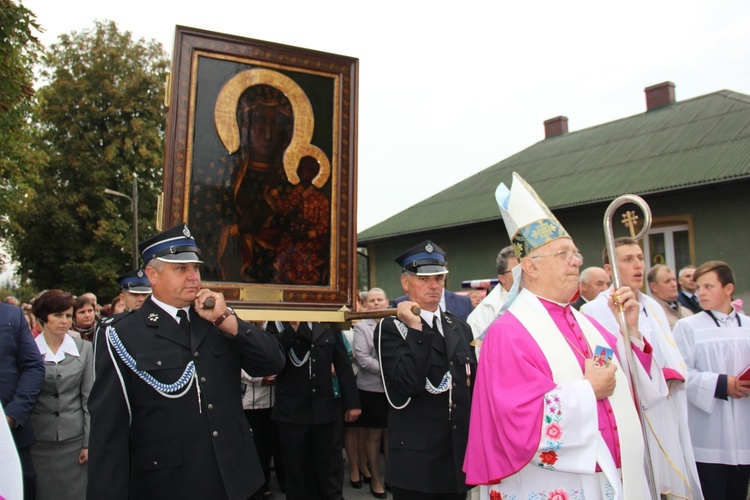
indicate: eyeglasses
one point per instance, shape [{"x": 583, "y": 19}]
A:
[{"x": 567, "y": 255}]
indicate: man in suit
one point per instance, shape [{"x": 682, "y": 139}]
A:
[
  {"x": 166, "y": 410},
  {"x": 305, "y": 408},
  {"x": 21, "y": 379},
  {"x": 663, "y": 286},
  {"x": 428, "y": 365},
  {"x": 593, "y": 281},
  {"x": 687, "y": 296}
]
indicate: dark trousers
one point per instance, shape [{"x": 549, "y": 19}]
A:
[
  {"x": 266, "y": 438},
  {"x": 306, "y": 451},
  {"x": 29, "y": 476},
  {"x": 723, "y": 482},
  {"x": 336, "y": 475},
  {"x": 402, "y": 494}
]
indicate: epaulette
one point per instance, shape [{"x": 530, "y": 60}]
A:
[{"x": 117, "y": 317}]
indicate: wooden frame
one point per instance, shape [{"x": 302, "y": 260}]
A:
[{"x": 261, "y": 163}]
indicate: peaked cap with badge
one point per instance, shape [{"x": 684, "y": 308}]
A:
[
  {"x": 425, "y": 259},
  {"x": 134, "y": 281},
  {"x": 174, "y": 245},
  {"x": 530, "y": 224}
]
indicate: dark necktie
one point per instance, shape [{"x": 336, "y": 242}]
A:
[
  {"x": 694, "y": 301},
  {"x": 435, "y": 324},
  {"x": 184, "y": 321}
]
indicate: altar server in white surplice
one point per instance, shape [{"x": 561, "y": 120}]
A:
[
  {"x": 716, "y": 346},
  {"x": 662, "y": 390}
]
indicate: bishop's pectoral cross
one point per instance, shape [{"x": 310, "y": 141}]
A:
[{"x": 630, "y": 221}]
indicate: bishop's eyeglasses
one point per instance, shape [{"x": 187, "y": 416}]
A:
[{"x": 566, "y": 255}]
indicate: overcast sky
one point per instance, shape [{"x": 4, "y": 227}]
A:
[{"x": 448, "y": 89}]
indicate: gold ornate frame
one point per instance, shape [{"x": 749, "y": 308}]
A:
[{"x": 203, "y": 133}]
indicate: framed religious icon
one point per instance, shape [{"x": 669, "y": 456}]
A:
[{"x": 261, "y": 164}]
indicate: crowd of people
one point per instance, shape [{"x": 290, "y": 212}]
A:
[{"x": 165, "y": 393}]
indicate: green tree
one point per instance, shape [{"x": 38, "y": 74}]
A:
[
  {"x": 101, "y": 119},
  {"x": 19, "y": 161}
]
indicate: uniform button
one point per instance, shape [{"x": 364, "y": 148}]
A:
[
  {"x": 215, "y": 434},
  {"x": 58, "y": 377},
  {"x": 615, "y": 427},
  {"x": 203, "y": 380},
  {"x": 455, "y": 427},
  {"x": 158, "y": 363},
  {"x": 156, "y": 463},
  {"x": 313, "y": 375},
  {"x": 402, "y": 443},
  {"x": 313, "y": 360},
  {"x": 454, "y": 384},
  {"x": 55, "y": 395},
  {"x": 313, "y": 390},
  {"x": 57, "y": 414},
  {"x": 455, "y": 406},
  {"x": 451, "y": 363},
  {"x": 610, "y": 411},
  {"x": 196, "y": 354},
  {"x": 210, "y": 406},
  {"x": 419, "y": 342}
]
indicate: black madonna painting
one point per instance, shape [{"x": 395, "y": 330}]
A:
[{"x": 262, "y": 167}]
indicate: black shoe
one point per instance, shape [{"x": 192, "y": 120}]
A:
[
  {"x": 365, "y": 479},
  {"x": 357, "y": 485},
  {"x": 382, "y": 494}
]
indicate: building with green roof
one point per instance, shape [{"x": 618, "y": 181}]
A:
[{"x": 689, "y": 160}]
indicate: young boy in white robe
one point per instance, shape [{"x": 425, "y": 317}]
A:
[{"x": 715, "y": 344}]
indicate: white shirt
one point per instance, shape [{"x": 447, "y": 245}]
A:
[
  {"x": 171, "y": 310},
  {"x": 68, "y": 346},
  {"x": 427, "y": 316}
]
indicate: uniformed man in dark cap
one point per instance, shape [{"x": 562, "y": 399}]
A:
[
  {"x": 428, "y": 365},
  {"x": 166, "y": 411},
  {"x": 134, "y": 288}
]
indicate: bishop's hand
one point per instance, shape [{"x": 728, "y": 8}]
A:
[{"x": 602, "y": 379}]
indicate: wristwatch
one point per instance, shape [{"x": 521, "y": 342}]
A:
[{"x": 224, "y": 316}]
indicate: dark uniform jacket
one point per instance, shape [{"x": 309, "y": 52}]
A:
[
  {"x": 144, "y": 445},
  {"x": 304, "y": 394},
  {"x": 427, "y": 439}
]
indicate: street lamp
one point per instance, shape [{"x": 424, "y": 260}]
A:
[{"x": 134, "y": 207}]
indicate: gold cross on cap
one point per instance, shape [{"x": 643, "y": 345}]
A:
[{"x": 630, "y": 220}]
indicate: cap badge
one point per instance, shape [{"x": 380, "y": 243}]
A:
[
  {"x": 153, "y": 317},
  {"x": 186, "y": 231},
  {"x": 140, "y": 273},
  {"x": 429, "y": 248}
]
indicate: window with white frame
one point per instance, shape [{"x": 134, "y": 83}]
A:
[{"x": 668, "y": 245}]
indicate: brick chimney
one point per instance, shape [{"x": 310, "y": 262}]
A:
[
  {"x": 555, "y": 126},
  {"x": 659, "y": 95}
]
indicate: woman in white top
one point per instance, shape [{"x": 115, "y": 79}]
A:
[
  {"x": 60, "y": 418},
  {"x": 716, "y": 346},
  {"x": 371, "y": 394}
]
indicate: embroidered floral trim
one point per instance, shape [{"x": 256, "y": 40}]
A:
[
  {"x": 551, "y": 433},
  {"x": 557, "y": 494},
  {"x": 496, "y": 495}
]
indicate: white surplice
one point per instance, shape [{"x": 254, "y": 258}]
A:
[
  {"x": 719, "y": 428},
  {"x": 665, "y": 403}
]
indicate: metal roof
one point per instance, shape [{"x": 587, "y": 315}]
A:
[{"x": 704, "y": 140}]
